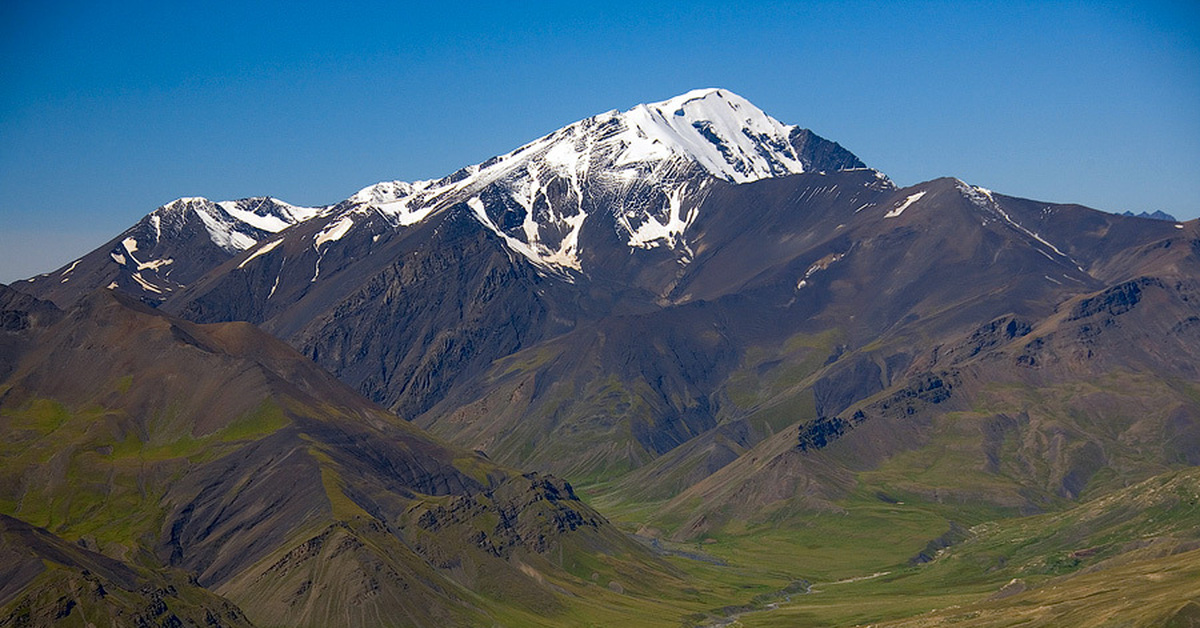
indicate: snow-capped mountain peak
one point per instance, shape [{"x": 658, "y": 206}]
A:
[
  {"x": 648, "y": 167},
  {"x": 641, "y": 174},
  {"x": 721, "y": 131}
]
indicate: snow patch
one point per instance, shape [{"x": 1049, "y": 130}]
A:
[
  {"x": 154, "y": 264},
  {"x": 403, "y": 214},
  {"x": 333, "y": 232},
  {"x": 650, "y": 232},
  {"x": 118, "y": 258},
  {"x": 272, "y": 224},
  {"x": 905, "y": 205},
  {"x": 222, "y": 233},
  {"x": 145, "y": 284},
  {"x": 821, "y": 264},
  {"x": 131, "y": 245},
  {"x": 263, "y": 250},
  {"x": 267, "y": 214}
]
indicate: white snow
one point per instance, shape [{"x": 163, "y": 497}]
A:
[
  {"x": 316, "y": 269},
  {"x": 272, "y": 224},
  {"x": 230, "y": 223},
  {"x": 1178, "y": 226},
  {"x": 154, "y": 264},
  {"x": 405, "y": 216},
  {"x": 118, "y": 258},
  {"x": 476, "y": 205},
  {"x": 72, "y": 267},
  {"x": 905, "y": 205},
  {"x": 387, "y": 191},
  {"x": 821, "y": 264},
  {"x": 615, "y": 154},
  {"x": 247, "y": 211},
  {"x": 262, "y": 250},
  {"x": 651, "y": 231},
  {"x": 130, "y": 245},
  {"x": 222, "y": 233},
  {"x": 333, "y": 232},
  {"x": 145, "y": 284},
  {"x": 712, "y": 127},
  {"x": 296, "y": 212}
]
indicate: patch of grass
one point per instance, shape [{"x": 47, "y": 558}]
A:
[
  {"x": 343, "y": 507},
  {"x": 265, "y": 419},
  {"x": 124, "y": 384}
]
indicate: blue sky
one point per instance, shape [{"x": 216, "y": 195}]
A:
[{"x": 108, "y": 110}]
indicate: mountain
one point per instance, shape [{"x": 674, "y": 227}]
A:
[
  {"x": 580, "y": 198},
  {"x": 610, "y": 287},
  {"x": 180, "y": 456},
  {"x": 727, "y": 331},
  {"x": 651, "y": 160}
]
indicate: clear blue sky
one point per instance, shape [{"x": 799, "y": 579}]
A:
[{"x": 109, "y": 109}]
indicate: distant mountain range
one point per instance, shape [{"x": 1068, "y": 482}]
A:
[
  {"x": 1157, "y": 215},
  {"x": 694, "y": 310}
]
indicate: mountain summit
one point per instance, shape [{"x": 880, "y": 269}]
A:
[{"x": 648, "y": 166}]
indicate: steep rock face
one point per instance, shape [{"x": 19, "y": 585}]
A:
[{"x": 434, "y": 317}]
